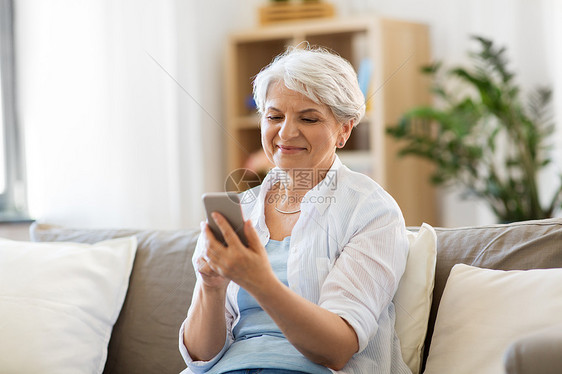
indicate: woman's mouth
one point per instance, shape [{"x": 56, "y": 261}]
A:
[{"x": 289, "y": 149}]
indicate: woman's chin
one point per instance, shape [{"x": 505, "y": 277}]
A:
[{"x": 287, "y": 163}]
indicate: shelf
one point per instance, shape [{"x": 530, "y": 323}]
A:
[
  {"x": 395, "y": 49},
  {"x": 250, "y": 58},
  {"x": 283, "y": 12},
  {"x": 251, "y": 121},
  {"x": 311, "y": 27}
]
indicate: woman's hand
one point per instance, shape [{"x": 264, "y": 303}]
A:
[
  {"x": 320, "y": 335},
  {"x": 248, "y": 266},
  {"x": 205, "y": 327},
  {"x": 211, "y": 279}
]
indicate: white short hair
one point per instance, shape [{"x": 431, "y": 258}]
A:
[{"x": 320, "y": 75}]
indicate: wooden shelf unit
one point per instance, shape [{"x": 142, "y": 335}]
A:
[{"x": 396, "y": 49}]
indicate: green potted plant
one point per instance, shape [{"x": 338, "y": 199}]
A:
[{"x": 485, "y": 136}]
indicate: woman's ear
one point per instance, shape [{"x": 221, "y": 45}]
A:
[{"x": 345, "y": 131}]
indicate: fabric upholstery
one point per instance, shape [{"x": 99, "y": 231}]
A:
[
  {"x": 413, "y": 297},
  {"x": 144, "y": 338},
  {"x": 516, "y": 246},
  {"x": 536, "y": 353},
  {"x": 59, "y": 303},
  {"x": 483, "y": 311}
]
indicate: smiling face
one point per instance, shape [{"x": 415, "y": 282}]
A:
[{"x": 296, "y": 132}]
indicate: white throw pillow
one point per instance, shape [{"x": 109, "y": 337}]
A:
[
  {"x": 482, "y": 311},
  {"x": 414, "y": 295},
  {"x": 59, "y": 302}
]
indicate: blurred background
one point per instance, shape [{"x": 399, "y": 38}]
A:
[{"x": 122, "y": 105}]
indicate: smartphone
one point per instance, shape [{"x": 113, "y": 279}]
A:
[{"x": 227, "y": 204}]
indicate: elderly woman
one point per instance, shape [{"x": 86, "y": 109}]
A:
[{"x": 312, "y": 292}]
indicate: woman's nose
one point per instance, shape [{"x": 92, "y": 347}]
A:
[{"x": 289, "y": 129}]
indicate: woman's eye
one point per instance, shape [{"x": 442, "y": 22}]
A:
[
  {"x": 274, "y": 118},
  {"x": 310, "y": 120}
]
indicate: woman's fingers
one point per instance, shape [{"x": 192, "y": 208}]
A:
[
  {"x": 213, "y": 248},
  {"x": 228, "y": 232},
  {"x": 243, "y": 265},
  {"x": 203, "y": 266},
  {"x": 210, "y": 276},
  {"x": 254, "y": 241}
]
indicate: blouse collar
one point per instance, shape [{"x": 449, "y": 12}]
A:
[{"x": 319, "y": 197}]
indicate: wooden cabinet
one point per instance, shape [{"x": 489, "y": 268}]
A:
[{"x": 394, "y": 50}]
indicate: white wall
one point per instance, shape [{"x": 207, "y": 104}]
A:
[
  {"x": 100, "y": 116},
  {"x": 532, "y": 33},
  {"x": 122, "y": 101},
  {"x": 214, "y": 21}
]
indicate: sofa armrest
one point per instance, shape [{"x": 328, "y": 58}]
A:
[{"x": 536, "y": 353}]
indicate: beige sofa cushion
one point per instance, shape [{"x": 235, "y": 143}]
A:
[
  {"x": 144, "y": 339},
  {"x": 515, "y": 246},
  {"x": 413, "y": 297},
  {"x": 59, "y": 303},
  {"x": 483, "y": 311},
  {"x": 145, "y": 335}
]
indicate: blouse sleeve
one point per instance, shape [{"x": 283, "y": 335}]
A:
[{"x": 365, "y": 276}]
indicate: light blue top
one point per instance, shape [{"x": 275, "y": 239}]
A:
[{"x": 258, "y": 341}]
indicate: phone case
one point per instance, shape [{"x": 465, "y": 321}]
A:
[{"x": 227, "y": 204}]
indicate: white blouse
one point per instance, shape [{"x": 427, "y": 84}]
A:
[{"x": 348, "y": 252}]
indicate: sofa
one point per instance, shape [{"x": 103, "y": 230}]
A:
[{"x": 144, "y": 338}]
